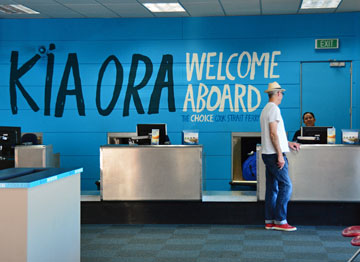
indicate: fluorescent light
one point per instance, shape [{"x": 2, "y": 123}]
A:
[
  {"x": 313, "y": 4},
  {"x": 164, "y": 7},
  {"x": 24, "y": 9},
  {"x": 17, "y": 9}
]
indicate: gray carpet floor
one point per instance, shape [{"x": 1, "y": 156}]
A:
[{"x": 212, "y": 243}]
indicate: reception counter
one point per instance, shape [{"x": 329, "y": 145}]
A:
[
  {"x": 40, "y": 215},
  {"x": 146, "y": 172},
  {"x": 320, "y": 173}
]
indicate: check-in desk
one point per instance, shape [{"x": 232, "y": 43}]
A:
[
  {"x": 36, "y": 156},
  {"x": 320, "y": 173},
  {"x": 40, "y": 215},
  {"x": 150, "y": 172}
]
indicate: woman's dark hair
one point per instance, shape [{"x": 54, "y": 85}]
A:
[{"x": 311, "y": 113}]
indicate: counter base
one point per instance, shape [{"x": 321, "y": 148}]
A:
[{"x": 197, "y": 212}]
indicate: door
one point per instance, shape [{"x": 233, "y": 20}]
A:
[{"x": 326, "y": 91}]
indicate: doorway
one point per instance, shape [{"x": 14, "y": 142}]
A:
[{"x": 326, "y": 90}]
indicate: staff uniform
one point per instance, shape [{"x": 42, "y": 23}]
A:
[{"x": 297, "y": 133}]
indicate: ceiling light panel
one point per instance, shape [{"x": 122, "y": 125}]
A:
[
  {"x": 314, "y": 4},
  {"x": 164, "y": 7},
  {"x": 17, "y": 9}
]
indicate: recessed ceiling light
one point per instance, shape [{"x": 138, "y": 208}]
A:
[
  {"x": 17, "y": 9},
  {"x": 164, "y": 7},
  {"x": 312, "y": 4}
]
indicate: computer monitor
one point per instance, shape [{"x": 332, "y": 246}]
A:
[
  {"x": 10, "y": 136},
  {"x": 121, "y": 138},
  {"x": 146, "y": 130},
  {"x": 318, "y": 132}
]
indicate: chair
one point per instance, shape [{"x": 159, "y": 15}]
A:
[
  {"x": 29, "y": 139},
  {"x": 354, "y": 232}
]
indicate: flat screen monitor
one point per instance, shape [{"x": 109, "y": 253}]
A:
[
  {"x": 10, "y": 136},
  {"x": 318, "y": 132},
  {"x": 146, "y": 130}
]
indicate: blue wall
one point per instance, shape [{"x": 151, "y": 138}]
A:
[{"x": 77, "y": 134}]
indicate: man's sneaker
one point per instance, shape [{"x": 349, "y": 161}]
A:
[
  {"x": 269, "y": 226},
  {"x": 284, "y": 227}
]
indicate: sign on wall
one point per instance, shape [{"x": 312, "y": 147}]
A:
[
  {"x": 327, "y": 43},
  {"x": 214, "y": 85}
]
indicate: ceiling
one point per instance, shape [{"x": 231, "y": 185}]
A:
[{"x": 194, "y": 8}]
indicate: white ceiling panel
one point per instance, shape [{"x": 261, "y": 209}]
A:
[
  {"x": 27, "y": 2},
  {"x": 92, "y": 10},
  {"x": 129, "y": 10},
  {"x": 349, "y": 6},
  {"x": 117, "y": 1},
  {"x": 83, "y": 2},
  {"x": 52, "y": 10},
  {"x": 158, "y": 1},
  {"x": 199, "y": 1},
  {"x": 280, "y": 6},
  {"x": 7, "y": 2},
  {"x": 241, "y": 7},
  {"x": 203, "y": 9}
]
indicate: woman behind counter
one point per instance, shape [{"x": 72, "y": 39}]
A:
[{"x": 309, "y": 120}]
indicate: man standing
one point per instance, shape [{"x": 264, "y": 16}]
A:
[{"x": 274, "y": 146}]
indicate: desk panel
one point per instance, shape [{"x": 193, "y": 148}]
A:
[
  {"x": 320, "y": 173},
  {"x": 151, "y": 172}
]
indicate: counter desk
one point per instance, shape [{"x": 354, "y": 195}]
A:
[
  {"x": 40, "y": 215},
  {"x": 151, "y": 172},
  {"x": 320, "y": 173}
]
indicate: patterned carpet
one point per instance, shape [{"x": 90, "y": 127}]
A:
[{"x": 212, "y": 243}]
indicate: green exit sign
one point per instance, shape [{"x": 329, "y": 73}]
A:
[{"x": 327, "y": 43}]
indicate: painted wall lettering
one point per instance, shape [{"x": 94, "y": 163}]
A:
[
  {"x": 15, "y": 75},
  {"x": 200, "y": 69},
  {"x": 118, "y": 85},
  {"x": 235, "y": 96},
  {"x": 166, "y": 68},
  {"x": 164, "y": 79},
  {"x": 132, "y": 90},
  {"x": 232, "y": 97},
  {"x": 48, "y": 82},
  {"x": 245, "y": 66},
  {"x": 72, "y": 63}
]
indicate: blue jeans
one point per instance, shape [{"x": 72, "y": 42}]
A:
[{"x": 278, "y": 190}]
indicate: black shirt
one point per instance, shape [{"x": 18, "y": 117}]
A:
[{"x": 297, "y": 133}]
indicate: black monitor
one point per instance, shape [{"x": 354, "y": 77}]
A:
[
  {"x": 10, "y": 136},
  {"x": 319, "y": 133},
  {"x": 146, "y": 130}
]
